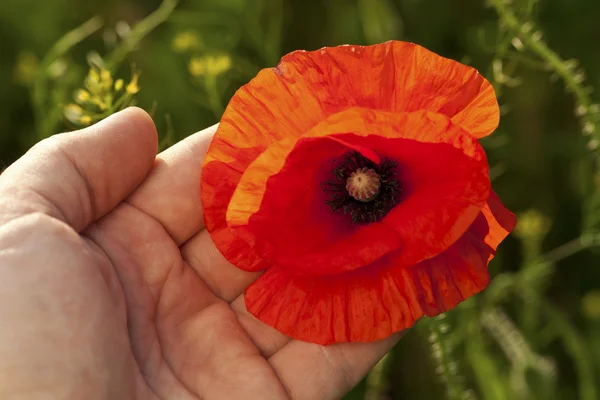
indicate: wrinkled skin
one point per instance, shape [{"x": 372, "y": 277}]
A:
[{"x": 110, "y": 288}]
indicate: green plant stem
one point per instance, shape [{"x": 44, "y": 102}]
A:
[
  {"x": 573, "y": 342},
  {"x": 60, "y": 48},
  {"x": 139, "y": 32},
  {"x": 376, "y": 382},
  {"x": 210, "y": 84},
  {"x": 447, "y": 366},
  {"x": 528, "y": 61},
  {"x": 169, "y": 137},
  {"x": 273, "y": 32},
  {"x": 500, "y": 52},
  {"x": 486, "y": 372},
  {"x": 573, "y": 247},
  {"x": 555, "y": 63}
]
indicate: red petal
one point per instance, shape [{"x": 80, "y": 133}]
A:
[
  {"x": 373, "y": 302},
  {"x": 307, "y": 87},
  {"x": 279, "y": 206},
  {"x": 294, "y": 226},
  {"x": 499, "y": 219},
  {"x": 218, "y": 183}
]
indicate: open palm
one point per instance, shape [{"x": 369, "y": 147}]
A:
[{"x": 110, "y": 287}]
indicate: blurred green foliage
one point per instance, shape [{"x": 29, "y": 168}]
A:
[{"x": 535, "y": 332}]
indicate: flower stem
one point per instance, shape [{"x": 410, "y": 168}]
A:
[
  {"x": 40, "y": 88},
  {"x": 139, "y": 32},
  {"x": 376, "y": 382},
  {"x": 574, "y": 344},
  {"x": 216, "y": 106},
  {"x": 574, "y": 246},
  {"x": 566, "y": 70},
  {"x": 447, "y": 366}
]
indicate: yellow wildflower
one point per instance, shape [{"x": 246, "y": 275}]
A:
[
  {"x": 532, "y": 224},
  {"x": 133, "y": 86},
  {"x": 81, "y": 96},
  {"x": 213, "y": 65},
  {"x": 197, "y": 66},
  {"x": 93, "y": 75},
  {"x": 92, "y": 81},
  {"x": 219, "y": 64},
  {"x": 73, "y": 113},
  {"x": 106, "y": 78},
  {"x": 102, "y": 94},
  {"x": 185, "y": 41},
  {"x": 102, "y": 103}
]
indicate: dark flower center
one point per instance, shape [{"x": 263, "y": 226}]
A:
[{"x": 362, "y": 189}]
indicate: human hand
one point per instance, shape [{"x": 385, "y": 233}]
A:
[{"x": 111, "y": 288}]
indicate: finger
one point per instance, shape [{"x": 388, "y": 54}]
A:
[
  {"x": 267, "y": 339},
  {"x": 223, "y": 278},
  {"x": 159, "y": 290},
  {"x": 184, "y": 337},
  {"x": 79, "y": 176},
  {"x": 311, "y": 371},
  {"x": 171, "y": 194},
  {"x": 229, "y": 282}
]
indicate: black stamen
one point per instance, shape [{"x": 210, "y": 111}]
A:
[{"x": 362, "y": 212}]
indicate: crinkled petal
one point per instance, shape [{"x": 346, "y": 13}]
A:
[
  {"x": 218, "y": 184},
  {"x": 395, "y": 76},
  {"x": 371, "y": 303},
  {"x": 307, "y": 87},
  {"x": 280, "y": 208}
]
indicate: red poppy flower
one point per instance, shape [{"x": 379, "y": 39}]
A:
[{"x": 353, "y": 176}]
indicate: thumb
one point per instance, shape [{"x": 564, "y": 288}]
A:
[{"x": 79, "y": 176}]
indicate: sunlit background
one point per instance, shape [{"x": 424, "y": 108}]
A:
[{"x": 535, "y": 332}]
